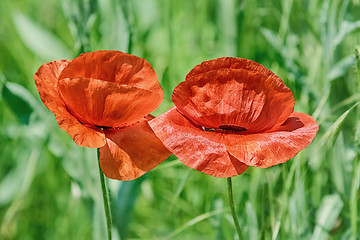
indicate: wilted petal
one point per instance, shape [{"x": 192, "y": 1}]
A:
[
  {"x": 46, "y": 83},
  {"x": 114, "y": 66},
  {"x": 272, "y": 148},
  {"x": 106, "y": 104},
  {"x": 203, "y": 151},
  {"x": 131, "y": 152},
  {"x": 255, "y": 100}
]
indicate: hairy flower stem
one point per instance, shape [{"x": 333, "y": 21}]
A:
[
  {"x": 232, "y": 206},
  {"x": 106, "y": 198}
]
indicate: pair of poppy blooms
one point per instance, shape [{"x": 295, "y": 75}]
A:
[{"x": 229, "y": 113}]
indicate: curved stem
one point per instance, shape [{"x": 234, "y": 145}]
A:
[
  {"x": 232, "y": 206},
  {"x": 106, "y": 198}
]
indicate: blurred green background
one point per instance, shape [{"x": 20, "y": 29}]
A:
[{"x": 49, "y": 187}]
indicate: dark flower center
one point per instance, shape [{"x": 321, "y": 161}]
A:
[
  {"x": 226, "y": 127},
  {"x": 232, "y": 128},
  {"x": 125, "y": 126}
]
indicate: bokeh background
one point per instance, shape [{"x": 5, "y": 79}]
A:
[{"x": 49, "y": 187}]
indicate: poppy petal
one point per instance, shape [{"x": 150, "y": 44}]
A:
[
  {"x": 46, "y": 83},
  {"x": 198, "y": 149},
  {"x": 268, "y": 149},
  {"x": 130, "y": 152},
  {"x": 114, "y": 66},
  {"x": 256, "y": 101},
  {"x": 106, "y": 104},
  {"x": 229, "y": 63}
]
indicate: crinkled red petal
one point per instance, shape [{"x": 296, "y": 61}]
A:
[
  {"x": 272, "y": 148},
  {"x": 198, "y": 149},
  {"x": 114, "y": 66},
  {"x": 46, "y": 82},
  {"x": 229, "y": 63},
  {"x": 106, "y": 104},
  {"x": 132, "y": 151},
  {"x": 254, "y": 100}
]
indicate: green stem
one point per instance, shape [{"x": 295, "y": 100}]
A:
[
  {"x": 232, "y": 206},
  {"x": 106, "y": 198}
]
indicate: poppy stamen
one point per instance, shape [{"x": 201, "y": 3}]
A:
[{"x": 208, "y": 129}]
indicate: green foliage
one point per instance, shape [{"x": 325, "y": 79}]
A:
[
  {"x": 19, "y": 100},
  {"x": 327, "y": 216},
  {"x": 49, "y": 187},
  {"x": 39, "y": 40}
]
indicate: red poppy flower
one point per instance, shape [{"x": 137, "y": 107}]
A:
[
  {"x": 232, "y": 113},
  {"x": 101, "y": 99}
]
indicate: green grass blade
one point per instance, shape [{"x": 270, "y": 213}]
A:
[
  {"x": 192, "y": 222},
  {"x": 331, "y": 134},
  {"x": 20, "y": 101},
  {"x": 251, "y": 227},
  {"x": 354, "y": 201},
  {"x": 179, "y": 189},
  {"x": 341, "y": 68},
  {"x": 344, "y": 29},
  {"x": 124, "y": 203},
  {"x": 326, "y": 216},
  {"x": 39, "y": 40}
]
